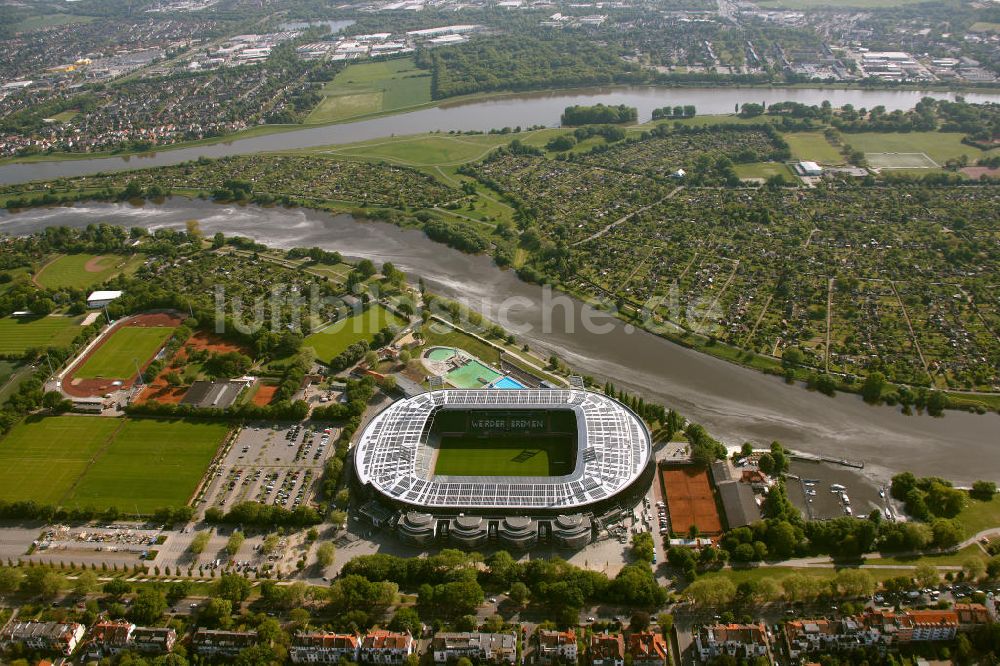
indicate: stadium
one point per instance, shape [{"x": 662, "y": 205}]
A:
[{"x": 514, "y": 466}]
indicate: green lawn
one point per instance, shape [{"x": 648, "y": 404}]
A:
[
  {"x": 117, "y": 356},
  {"x": 978, "y": 516},
  {"x": 813, "y": 146},
  {"x": 764, "y": 170},
  {"x": 151, "y": 464},
  {"x": 82, "y": 271},
  {"x": 41, "y": 458},
  {"x": 437, "y": 334},
  {"x": 339, "y": 336},
  {"x": 19, "y": 334},
  {"x": 425, "y": 150},
  {"x": 939, "y": 146},
  {"x": 984, "y": 26},
  {"x": 372, "y": 87},
  {"x": 476, "y": 456},
  {"x": 50, "y": 20},
  {"x": 811, "y": 4}
]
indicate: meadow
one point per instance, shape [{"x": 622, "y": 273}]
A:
[
  {"x": 19, "y": 334},
  {"x": 370, "y": 88},
  {"x": 117, "y": 355},
  {"x": 340, "y": 335},
  {"x": 81, "y": 271}
]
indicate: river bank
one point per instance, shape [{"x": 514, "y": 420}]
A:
[{"x": 734, "y": 403}]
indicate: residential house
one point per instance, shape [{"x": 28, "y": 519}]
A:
[
  {"x": 972, "y": 616},
  {"x": 556, "y": 646},
  {"x": 215, "y": 642},
  {"x": 822, "y": 635},
  {"x": 648, "y": 648},
  {"x": 109, "y": 637},
  {"x": 481, "y": 647},
  {"x": 933, "y": 625},
  {"x": 386, "y": 647},
  {"x": 154, "y": 640},
  {"x": 607, "y": 650},
  {"x": 737, "y": 640},
  {"x": 324, "y": 648},
  {"x": 55, "y": 636}
]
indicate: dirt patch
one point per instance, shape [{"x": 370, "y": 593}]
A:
[
  {"x": 690, "y": 500},
  {"x": 87, "y": 388},
  {"x": 94, "y": 265},
  {"x": 265, "y": 394},
  {"x": 213, "y": 343},
  {"x": 160, "y": 391},
  {"x": 977, "y": 172}
]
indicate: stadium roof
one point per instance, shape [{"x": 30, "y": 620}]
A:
[{"x": 613, "y": 451}]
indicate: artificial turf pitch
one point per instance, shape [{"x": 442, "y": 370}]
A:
[{"x": 549, "y": 455}]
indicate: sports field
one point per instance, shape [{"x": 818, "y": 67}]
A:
[
  {"x": 813, "y": 146},
  {"x": 342, "y": 334},
  {"x": 690, "y": 500},
  {"x": 116, "y": 357},
  {"x": 19, "y": 334},
  {"x": 372, "y": 87},
  {"x": 900, "y": 161},
  {"x": 549, "y": 455},
  {"x": 84, "y": 270},
  {"x": 150, "y": 464},
  {"x": 764, "y": 170},
  {"x": 41, "y": 458},
  {"x": 141, "y": 464},
  {"x": 939, "y": 146}
]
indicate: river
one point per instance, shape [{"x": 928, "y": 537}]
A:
[
  {"x": 734, "y": 403},
  {"x": 523, "y": 110}
]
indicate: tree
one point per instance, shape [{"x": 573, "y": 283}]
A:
[
  {"x": 871, "y": 390},
  {"x": 43, "y": 582},
  {"x": 642, "y": 547},
  {"x": 270, "y": 544},
  {"x": 639, "y": 621},
  {"x": 927, "y": 575},
  {"x": 216, "y": 613},
  {"x": 947, "y": 533},
  {"x": 117, "y": 587},
  {"x": 519, "y": 593},
  {"x": 233, "y": 587},
  {"x": 766, "y": 463},
  {"x": 983, "y": 490},
  {"x": 148, "y": 607},
  {"x": 854, "y": 583},
  {"x": 10, "y": 580},
  {"x": 325, "y": 554},
  {"x": 711, "y": 591},
  {"x": 974, "y": 568},
  {"x": 85, "y": 583},
  {"x": 406, "y": 619},
  {"x": 236, "y": 540},
  {"x": 199, "y": 542}
]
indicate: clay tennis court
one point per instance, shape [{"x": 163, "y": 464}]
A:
[
  {"x": 265, "y": 394},
  {"x": 690, "y": 500},
  {"x": 160, "y": 391}
]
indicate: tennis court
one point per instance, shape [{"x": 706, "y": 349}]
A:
[{"x": 690, "y": 500}]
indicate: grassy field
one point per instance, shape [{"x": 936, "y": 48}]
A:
[
  {"x": 116, "y": 356},
  {"x": 437, "y": 334},
  {"x": 475, "y": 456},
  {"x": 41, "y": 458},
  {"x": 84, "y": 270},
  {"x": 339, "y": 336},
  {"x": 426, "y": 150},
  {"x": 49, "y": 21},
  {"x": 811, "y": 4},
  {"x": 939, "y": 146},
  {"x": 150, "y": 464},
  {"x": 813, "y": 146},
  {"x": 372, "y": 87},
  {"x": 18, "y": 334},
  {"x": 984, "y": 26},
  {"x": 978, "y": 516},
  {"x": 764, "y": 170}
]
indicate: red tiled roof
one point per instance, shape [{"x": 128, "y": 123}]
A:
[
  {"x": 607, "y": 646},
  {"x": 643, "y": 645},
  {"x": 386, "y": 640}
]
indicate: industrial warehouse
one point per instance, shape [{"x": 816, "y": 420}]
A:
[{"x": 516, "y": 467}]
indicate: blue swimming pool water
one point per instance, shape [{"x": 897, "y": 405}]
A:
[{"x": 507, "y": 383}]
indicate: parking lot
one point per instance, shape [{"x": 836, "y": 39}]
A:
[{"x": 271, "y": 464}]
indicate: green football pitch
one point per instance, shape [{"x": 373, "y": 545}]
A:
[
  {"x": 117, "y": 356},
  {"x": 530, "y": 456},
  {"x": 93, "y": 461}
]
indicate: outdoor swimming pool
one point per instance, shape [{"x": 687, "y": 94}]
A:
[
  {"x": 508, "y": 383},
  {"x": 440, "y": 354},
  {"x": 472, "y": 375}
]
